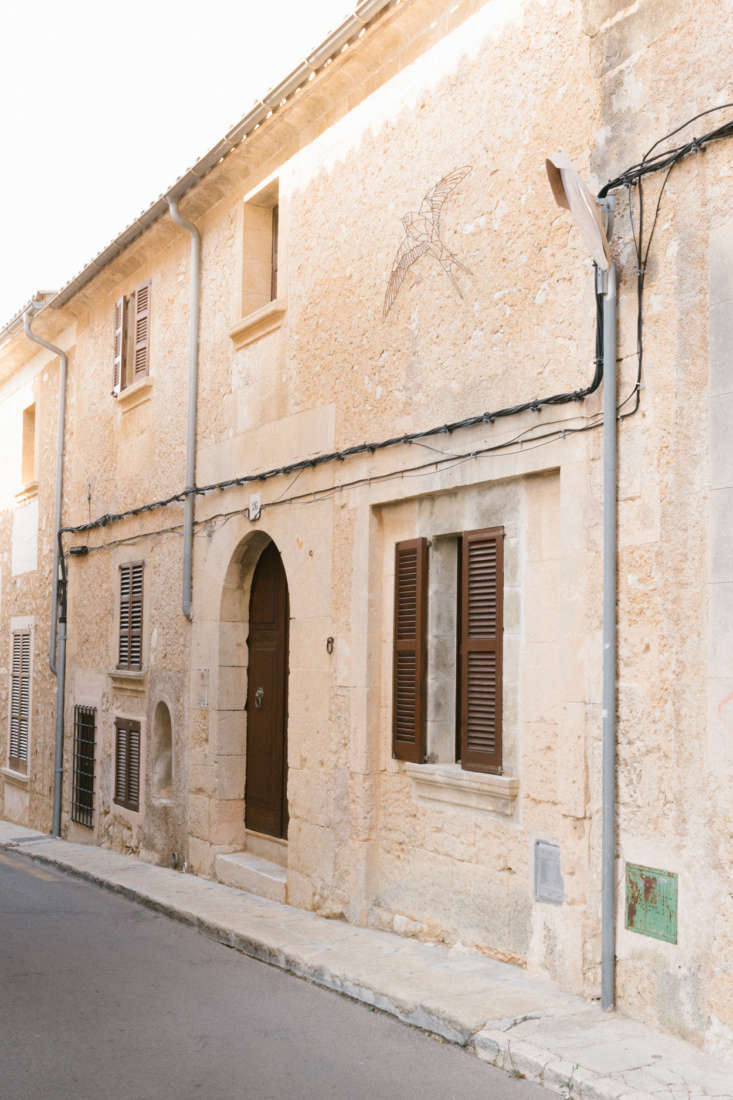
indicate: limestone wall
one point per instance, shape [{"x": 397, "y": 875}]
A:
[{"x": 485, "y": 91}]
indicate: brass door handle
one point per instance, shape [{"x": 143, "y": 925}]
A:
[{"x": 259, "y": 697}]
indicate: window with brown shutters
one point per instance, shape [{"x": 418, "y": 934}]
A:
[
  {"x": 127, "y": 763},
  {"x": 20, "y": 689},
  {"x": 471, "y": 614},
  {"x": 480, "y": 649},
  {"x": 131, "y": 357},
  {"x": 130, "y": 653},
  {"x": 409, "y": 684}
]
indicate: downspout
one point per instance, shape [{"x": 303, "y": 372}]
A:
[
  {"x": 608, "y": 873},
  {"x": 59, "y": 673},
  {"x": 193, "y": 369}
]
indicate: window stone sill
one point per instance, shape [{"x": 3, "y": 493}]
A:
[
  {"x": 133, "y": 682},
  {"x": 449, "y": 783},
  {"x": 136, "y": 394},
  {"x": 258, "y": 324},
  {"x": 18, "y": 779},
  {"x": 27, "y": 492}
]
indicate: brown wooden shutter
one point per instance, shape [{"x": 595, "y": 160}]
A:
[
  {"x": 142, "y": 331},
  {"x": 120, "y": 763},
  {"x": 409, "y": 674},
  {"x": 273, "y": 269},
  {"x": 120, "y": 346},
  {"x": 20, "y": 701},
  {"x": 127, "y": 763},
  {"x": 481, "y": 615},
  {"x": 131, "y": 616}
]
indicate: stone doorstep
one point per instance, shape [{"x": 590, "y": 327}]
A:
[
  {"x": 271, "y": 848},
  {"x": 246, "y": 871}
]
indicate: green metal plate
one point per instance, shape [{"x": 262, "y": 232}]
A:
[{"x": 651, "y": 902}]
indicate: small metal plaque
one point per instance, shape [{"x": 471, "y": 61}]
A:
[
  {"x": 548, "y": 883},
  {"x": 651, "y": 902}
]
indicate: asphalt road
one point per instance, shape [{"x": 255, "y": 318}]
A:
[{"x": 102, "y": 998}]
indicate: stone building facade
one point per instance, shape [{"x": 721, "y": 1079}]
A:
[{"x": 381, "y": 256}]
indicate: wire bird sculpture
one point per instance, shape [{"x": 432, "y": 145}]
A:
[{"x": 422, "y": 237}]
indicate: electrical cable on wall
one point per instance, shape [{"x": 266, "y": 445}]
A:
[{"x": 629, "y": 179}]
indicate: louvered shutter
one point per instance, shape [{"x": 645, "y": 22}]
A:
[
  {"x": 133, "y": 767},
  {"x": 410, "y": 650},
  {"x": 120, "y": 763},
  {"x": 142, "y": 331},
  {"x": 127, "y": 763},
  {"x": 20, "y": 701},
  {"x": 482, "y": 583},
  {"x": 120, "y": 346},
  {"x": 131, "y": 616}
]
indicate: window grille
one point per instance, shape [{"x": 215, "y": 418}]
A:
[{"x": 82, "y": 804}]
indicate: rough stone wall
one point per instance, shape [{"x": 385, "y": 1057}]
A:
[
  {"x": 26, "y": 552},
  {"x": 493, "y": 87}
]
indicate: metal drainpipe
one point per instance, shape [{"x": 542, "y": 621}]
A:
[
  {"x": 193, "y": 368},
  {"x": 56, "y": 627},
  {"x": 608, "y": 879}
]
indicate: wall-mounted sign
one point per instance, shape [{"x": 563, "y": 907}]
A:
[
  {"x": 548, "y": 883},
  {"x": 651, "y": 902}
]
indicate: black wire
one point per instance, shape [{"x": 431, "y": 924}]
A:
[{"x": 631, "y": 177}]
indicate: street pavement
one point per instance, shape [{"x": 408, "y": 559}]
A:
[
  {"x": 514, "y": 1020},
  {"x": 103, "y": 998}
]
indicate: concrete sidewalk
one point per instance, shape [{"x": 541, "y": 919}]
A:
[{"x": 512, "y": 1019}]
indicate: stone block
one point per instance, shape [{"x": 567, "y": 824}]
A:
[
  {"x": 228, "y": 732},
  {"x": 233, "y": 644},
  {"x": 198, "y": 815},
  {"x": 232, "y": 689},
  {"x": 229, "y": 777},
  {"x": 227, "y": 822}
]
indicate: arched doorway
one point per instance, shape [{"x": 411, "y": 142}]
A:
[{"x": 265, "y": 796}]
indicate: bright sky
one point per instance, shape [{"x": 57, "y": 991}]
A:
[{"x": 103, "y": 106}]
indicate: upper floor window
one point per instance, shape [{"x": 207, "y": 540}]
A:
[
  {"x": 28, "y": 453},
  {"x": 131, "y": 617},
  {"x": 260, "y": 266},
  {"x": 132, "y": 338}
]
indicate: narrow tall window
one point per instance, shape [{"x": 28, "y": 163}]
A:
[
  {"x": 28, "y": 457},
  {"x": 131, "y": 617},
  {"x": 127, "y": 763},
  {"x": 20, "y": 687},
  {"x": 261, "y": 240},
  {"x": 82, "y": 802}
]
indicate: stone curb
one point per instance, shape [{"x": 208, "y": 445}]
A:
[
  {"x": 516, "y": 1057},
  {"x": 519, "y": 1058}
]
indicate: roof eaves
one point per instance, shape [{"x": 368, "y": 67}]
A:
[{"x": 366, "y": 12}]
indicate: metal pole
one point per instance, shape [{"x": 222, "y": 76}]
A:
[
  {"x": 193, "y": 366},
  {"x": 608, "y": 883},
  {"x": 58, "y": 775},
  {"x": 61, "y": 428}
]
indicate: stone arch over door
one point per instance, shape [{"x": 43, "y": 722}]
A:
[{"x": 232, "y": 714}]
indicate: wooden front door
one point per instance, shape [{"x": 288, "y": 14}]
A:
[{"x": 265, "y": 798}]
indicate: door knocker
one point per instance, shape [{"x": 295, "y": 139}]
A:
[{"x": 259, "y": 697}]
